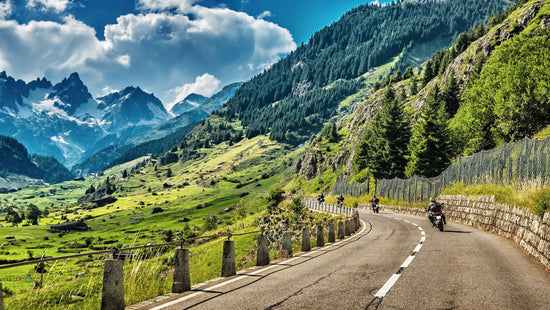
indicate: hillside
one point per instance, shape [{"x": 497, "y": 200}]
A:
[
  {"x": 296, "y": 96},
  {"x": 482, "y": 91},
  {"x": 18, "y": 169}
]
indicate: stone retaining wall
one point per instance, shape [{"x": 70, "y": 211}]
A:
[{"x": 517, "y": 224}]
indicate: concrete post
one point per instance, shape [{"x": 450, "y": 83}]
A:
[
  {"x": 341, "y": 230},
  {"x": 331, "y": 232},
  {"x": 262, "y": 255},
  {"x": 320, "y": 235},
  {"x": 228, "y": 259},
  {"x": 182, "y": 277},
  {"x": 112, "y": 297},
  {"x": 287, "y": 243},
  {"x": 306, "y": 240},
  {"x": 357, "y": 221},
  {"x": 347, "y": 229}
]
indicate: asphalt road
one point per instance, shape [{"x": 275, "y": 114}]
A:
[{"x": 395, "y": 262}]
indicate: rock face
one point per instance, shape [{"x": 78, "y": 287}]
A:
[{"x": 531, "y": 232}]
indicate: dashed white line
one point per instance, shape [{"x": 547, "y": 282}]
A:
[
  {"x": 391, "y": 281},
  {"x": 387, "y": 287},
  {"x": 407, "y": 262}
]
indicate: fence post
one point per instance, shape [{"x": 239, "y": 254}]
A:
[
  {"x": 306, "y": 240},
  {"x": 112, "y": 297},
  {"x": 287, "y": 243},
  {"x": 262, "y": 255},
  {"x": 340, "y": 230},
  {"x": 347, "y": 229},
  {"x": 182, "y": 279},
  {"x": 331, "y": 232},
  {"x": 320, "y": 235},
  {"x": 228, "y": 259}
]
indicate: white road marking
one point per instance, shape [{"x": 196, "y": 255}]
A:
[
  {"x": 407, "y": 262},
  {"x": 202, "y": 291},
  {"x": 391, "y": 281},
  {"x": 387, "y": 287}
]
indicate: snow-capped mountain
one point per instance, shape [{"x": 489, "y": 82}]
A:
[
  {"x": 189, "y": 103},
  {"x": 65, "y": 121},
  {"x": 132, "y": 107}
]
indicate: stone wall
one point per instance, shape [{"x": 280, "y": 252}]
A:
[{"x": 517, "y": 224}]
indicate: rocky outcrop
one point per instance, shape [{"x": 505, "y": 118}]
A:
[{"x": 529, "y": 231}]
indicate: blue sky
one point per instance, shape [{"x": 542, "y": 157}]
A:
[{"x": 169, "y": 47}]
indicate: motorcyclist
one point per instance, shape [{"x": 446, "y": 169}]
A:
[
  {"x": 374, "y": 201},
  {"x": 321, "y": 198},
  {"x": 434, "y": 207},
  {"x": 340, "y": 200}
]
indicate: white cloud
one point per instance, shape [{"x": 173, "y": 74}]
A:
[
  {"x": 124, "y": 60},
  {"x": 29, "y": 50},
  {"x": 57, "y": 5},
  {"x": 107, "y": 90},
  {"x": 159, "y": 50},
  {"x": 162, "y": 5},
  {"x": 205, "y": 85},
  {"x": 264, "y": 15},
  {"x": 5, "y": 9}
]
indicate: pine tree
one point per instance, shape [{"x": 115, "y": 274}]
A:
[
  {"x": 384, "y": 148},
  {"x": 451, "y": 96},
  {"x": 332, "y": 134},
  {"x": 430, "y": 152}
]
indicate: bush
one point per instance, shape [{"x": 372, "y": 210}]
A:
[{"x": 543, "y": 205}]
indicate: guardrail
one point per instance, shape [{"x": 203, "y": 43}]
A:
[{"x": 113, "y": 286}]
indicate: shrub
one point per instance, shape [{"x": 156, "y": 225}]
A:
[{"x": 542, "y": 205}]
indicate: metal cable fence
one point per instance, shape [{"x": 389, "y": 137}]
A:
[
  {"x": 344, "y": 187},
  {"x": 523, "y": 164}
]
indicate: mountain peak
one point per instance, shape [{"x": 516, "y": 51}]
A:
[
  {"x": 70, "y": 93},
  {"x": 3, "y": 75}
]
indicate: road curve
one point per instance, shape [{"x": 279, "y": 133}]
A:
[{"x": 416, "y": 265}]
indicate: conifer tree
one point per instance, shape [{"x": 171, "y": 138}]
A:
[
  {"x": 429, "y": 147},
  {"x": 384, "y": 148},
  {"x": 451, "y": 96}
]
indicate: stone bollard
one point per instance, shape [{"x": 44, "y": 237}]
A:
[
  {"x": 306, "y": 240},
  {"x": 182, "y": 278},
  {"x": 347, "y": 229},
  {"x": 341, "y": 230},
  {"x": 112, "y": 297},
  {"x": 320, "y": 235},
  {"x": 228, "y": 259},
  {"x": 287, "y": 243},
  {"x": 262, "y": 255},
  {"x": 331, "y": 232}
]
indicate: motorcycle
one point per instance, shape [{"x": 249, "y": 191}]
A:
[
  {"x": 375, "y": 208},
  {"x": 436, "y": 217},
  {"x": 437, "y": 220}
]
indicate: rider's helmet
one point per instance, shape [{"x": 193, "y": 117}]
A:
[{"x": 432, "y": 199}]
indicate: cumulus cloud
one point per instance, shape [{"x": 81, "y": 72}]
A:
[
  {"x": 29, "y": 50},
  {"x": 162, "y": 5},
  {"x": 5, "y": 9},
  {"x": 56, "y": 5},
  {"x": 205, "y": 85},
  {"x": 160, "y": 49}
]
